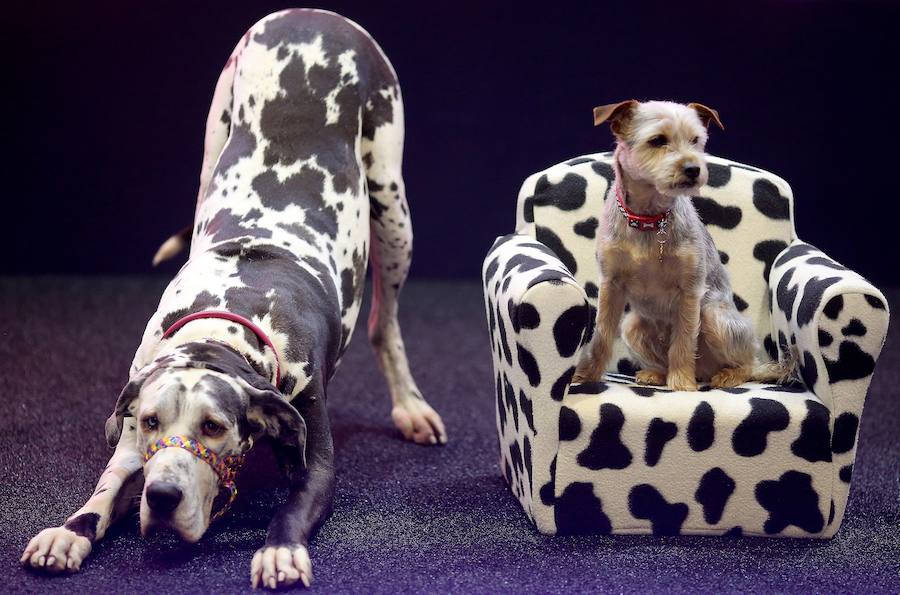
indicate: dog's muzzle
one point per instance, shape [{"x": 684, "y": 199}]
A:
[{"x": 226, "y": 467}]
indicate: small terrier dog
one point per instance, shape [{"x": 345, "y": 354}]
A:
[{"x": 655, "y": 254}]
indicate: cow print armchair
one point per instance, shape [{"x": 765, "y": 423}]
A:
[{"x": 615, "y": 457}]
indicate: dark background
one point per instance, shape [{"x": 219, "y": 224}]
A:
[{"x": 108, "y": 101}]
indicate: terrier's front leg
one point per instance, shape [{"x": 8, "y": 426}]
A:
[
  {"x": 284, "y": 560},
  {"x": 683, "y": 345},
  {"x": 610, "y": 307}
]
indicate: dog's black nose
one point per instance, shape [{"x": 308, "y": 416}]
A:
[
  {"x": 692, "y": 171},
  {"x": 163, "y": 496}
]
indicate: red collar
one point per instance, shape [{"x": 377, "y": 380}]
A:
[
  {"x": 233, "y": 318},
  {"x": 641, "y": 222}
]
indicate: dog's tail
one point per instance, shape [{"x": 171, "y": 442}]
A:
[
  {"x": 783, "y": 371},
  {"x": 171, "y": 247}
]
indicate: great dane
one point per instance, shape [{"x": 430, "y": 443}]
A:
[{"x": 300, "y": 186}]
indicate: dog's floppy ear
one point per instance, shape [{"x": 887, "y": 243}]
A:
[
  {"x": 131, "y": 391},
  {"x": 616, "y": 113},
  {"x": 274, "y": 416},
  {"x": 707, "y": 114}
]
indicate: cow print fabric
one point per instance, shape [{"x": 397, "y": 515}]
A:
[{"x": 615, "y": 457}]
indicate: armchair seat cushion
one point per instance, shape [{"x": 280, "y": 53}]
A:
[{"x": 752, "y": 460}]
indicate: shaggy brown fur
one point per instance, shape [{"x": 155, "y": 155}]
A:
[{"x": 683, "y": 324}]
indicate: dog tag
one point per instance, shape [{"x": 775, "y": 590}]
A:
[{"x": 662, "y": 236}]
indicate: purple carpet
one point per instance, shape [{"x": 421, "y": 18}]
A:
[{"x": 407, "y": 518}]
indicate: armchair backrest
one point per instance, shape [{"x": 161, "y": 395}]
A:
[{"x": 748, "y": 211}]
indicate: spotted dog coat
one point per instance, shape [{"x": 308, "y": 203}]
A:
[
  {"x": 300, "y": 185},
  {"x": 306, "y": 109},
  {"x": 618, "y": 457}
]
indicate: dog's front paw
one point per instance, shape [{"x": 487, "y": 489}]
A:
[
  {"x": 681, "y": 381},
  {"x": 418, "y": 422},
  {"x": 587, "y": 373},
  {"x": 56, "y": 549},
  {"x": 277, "y": 566},
  {"x": 651, "y": 377}
]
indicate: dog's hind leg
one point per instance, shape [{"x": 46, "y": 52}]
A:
[
  {"x": 725, "y": 347},
  {"x": 64, "y": 548},
  {"x": 647, "y": 342},
  {"x": 391, "y": 255}
]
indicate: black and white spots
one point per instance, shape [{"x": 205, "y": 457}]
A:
[
  {"x": 306, "y": 123},
  {"x": 645, "y": 502},
  {"x": 528, "y": 364},
  {"x": 568, "y": 194},
  {"x": 852, "y": 363},
  {"x": 814, "y": 441},
  {"x": 569, "y": 424},
  {"x": 713, "y": 213},
  {"x": 790, "y": 500},
  {"x": 751, "y": 436},
  {"x": 811, "y": 298},
  {"x": 719, "y": 175},
  {"x": 766, "y": 251},
  {"x": 846, "y": 473},
  {"x": 713, "y": 492},
  {"x": 834, "y": 307},
  {"x": 659, "y": 432},
  {"x": 770, "y": 201},
  {"x": 606, "y": 450},
  {"x": 558, "y": 390},
  {"x": 701, "y": 430},
  {"x": 742, "y": 461},
  {"x": 579, "y": 511},
  {"x": 568, "y": 329},
  {"x": 785, "y": 296},
  {"x": 546, "y": 236},
  {"x": 854, "y": 328},
  {"x": 809, "y": 370},
  {"x": 587, "y": 228},
  {"x": 844, "y": 437}
]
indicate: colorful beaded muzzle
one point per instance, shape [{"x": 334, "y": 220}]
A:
[{"x": 225, "y": 467}]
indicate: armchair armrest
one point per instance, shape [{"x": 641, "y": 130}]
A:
[
  {"x": 538, "y": 317},
  {"x": 838, "y": 322},
  {"x": 836, "y": 319}
]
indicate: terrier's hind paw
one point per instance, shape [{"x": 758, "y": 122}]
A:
[
  {"x": 273, "y": 567},
  {"x": 418, "y": 422},
  {"x": 56, "y": 549},
  {"x": 651, "y": 377},
  {"x": 730, "y": 377}
]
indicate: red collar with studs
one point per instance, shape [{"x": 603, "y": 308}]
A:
[{"x": 641, "y": 222}]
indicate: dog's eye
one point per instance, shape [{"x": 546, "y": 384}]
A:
[
  {"x": 151, "y": 422},
  {"x": 695, "y": 140},
  {"x": 211, "y": 428},
  {"x": 658, "y": 141}
]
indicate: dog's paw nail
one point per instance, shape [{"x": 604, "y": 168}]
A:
[
  {"x": 272, "y": 582},
  {"x": 305, "y": 580},
  {"x": 51, "y": 561},
  {"x": 280, "y": 577}
]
